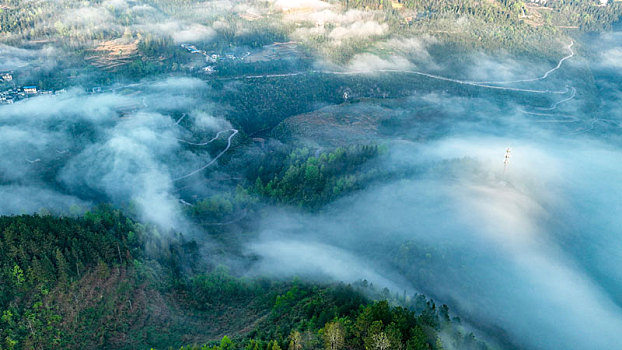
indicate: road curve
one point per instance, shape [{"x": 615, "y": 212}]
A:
[
  {"x": 544, "y": 76},
  {"x": 235, "y": 132}
]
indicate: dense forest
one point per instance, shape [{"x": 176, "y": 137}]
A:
[
  {"x": 509, "y": 26},
  {"x": 87, "y": 282},
  {"x": 212, "y": 174}
]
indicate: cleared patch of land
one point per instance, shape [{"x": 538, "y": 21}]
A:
[
  {"x": 112, "y": 54},
  {"x": 335, "y": 125}
]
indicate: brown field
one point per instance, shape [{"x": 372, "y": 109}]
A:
[
  {"x": 111, "y": 54},
  {"x": 534, "y": 14},
  {"x": 336, "y": 125}
]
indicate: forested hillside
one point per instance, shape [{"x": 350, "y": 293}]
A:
[
  {"x": 80, "y": 283},
  {"x": 310, "y": 174}
]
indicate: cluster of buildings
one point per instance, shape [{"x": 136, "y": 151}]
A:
[
  {"x": 17, "y": 94},
  {"x": 192, "y": 49},
  {"x": 12, "y": 93},
  {"x": 6, "y": 76},
  {"x": 214, "y": 58}
]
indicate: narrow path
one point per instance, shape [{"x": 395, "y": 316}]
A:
[
  {"x": 235, "y": 132},
  {"x": 457, "y": 81},
  {"x": 573, "y": 93},
  {"x": 428, "y": 75},
  {"x": 206, "y": 142},
  {"x": 483, "y": 84},
  {"x": 549, "y": 117},
  {"x": 544, "y": 76},
  {"x": 594, "y": 121},
  {"x": 180, "y": 119}
]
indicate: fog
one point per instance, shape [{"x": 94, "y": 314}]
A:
[
  {"x": 531, "y": 247},
  {"x": 17, "y": 58},
  {"x": 507, "y": 259},
  {"x": 80, "y": 149}
]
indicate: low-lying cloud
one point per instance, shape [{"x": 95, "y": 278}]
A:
[
  {"x": 78, "y": 148},
  {"x": 528, "y": 247},
  {"x": 182, "y": 33},
  {"x": 367, "y": 62}
]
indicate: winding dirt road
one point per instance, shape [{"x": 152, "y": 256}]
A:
[
  {"x": 483, "y": 84},
  {"x": 235, "y": 132},
  {"x": 544, "y": 76},
  {"x": 573, "y": 93},
  {"x": 206, "y": 142}
]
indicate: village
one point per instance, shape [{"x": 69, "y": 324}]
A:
[
  {"x": 268, "y": 52},
  {"x": 212, "y": 58},
  {"x": 15, "y": 94}
]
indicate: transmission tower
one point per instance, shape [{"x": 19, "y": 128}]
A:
[{"x": 506, "y": 161}]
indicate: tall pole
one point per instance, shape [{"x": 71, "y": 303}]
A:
[{"x": 506, "y": 161}]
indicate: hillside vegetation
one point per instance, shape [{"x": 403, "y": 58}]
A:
[{"x": 81, "y": 283}]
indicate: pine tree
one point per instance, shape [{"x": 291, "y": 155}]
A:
[{"x": 62, "y": 267}]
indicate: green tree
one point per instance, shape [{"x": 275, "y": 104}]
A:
[
  {"x": 378, "y": 341},
  {"x": 274, "y": 346},
  {"x": 18, "y": 275},
  {"x": 333, "y": 336},
  {"x": 295, "y": 341},
  {"x": 62, "y": 267},
  {"x": 418, "y": 340},
  {"x": 226, "y": 343}
]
